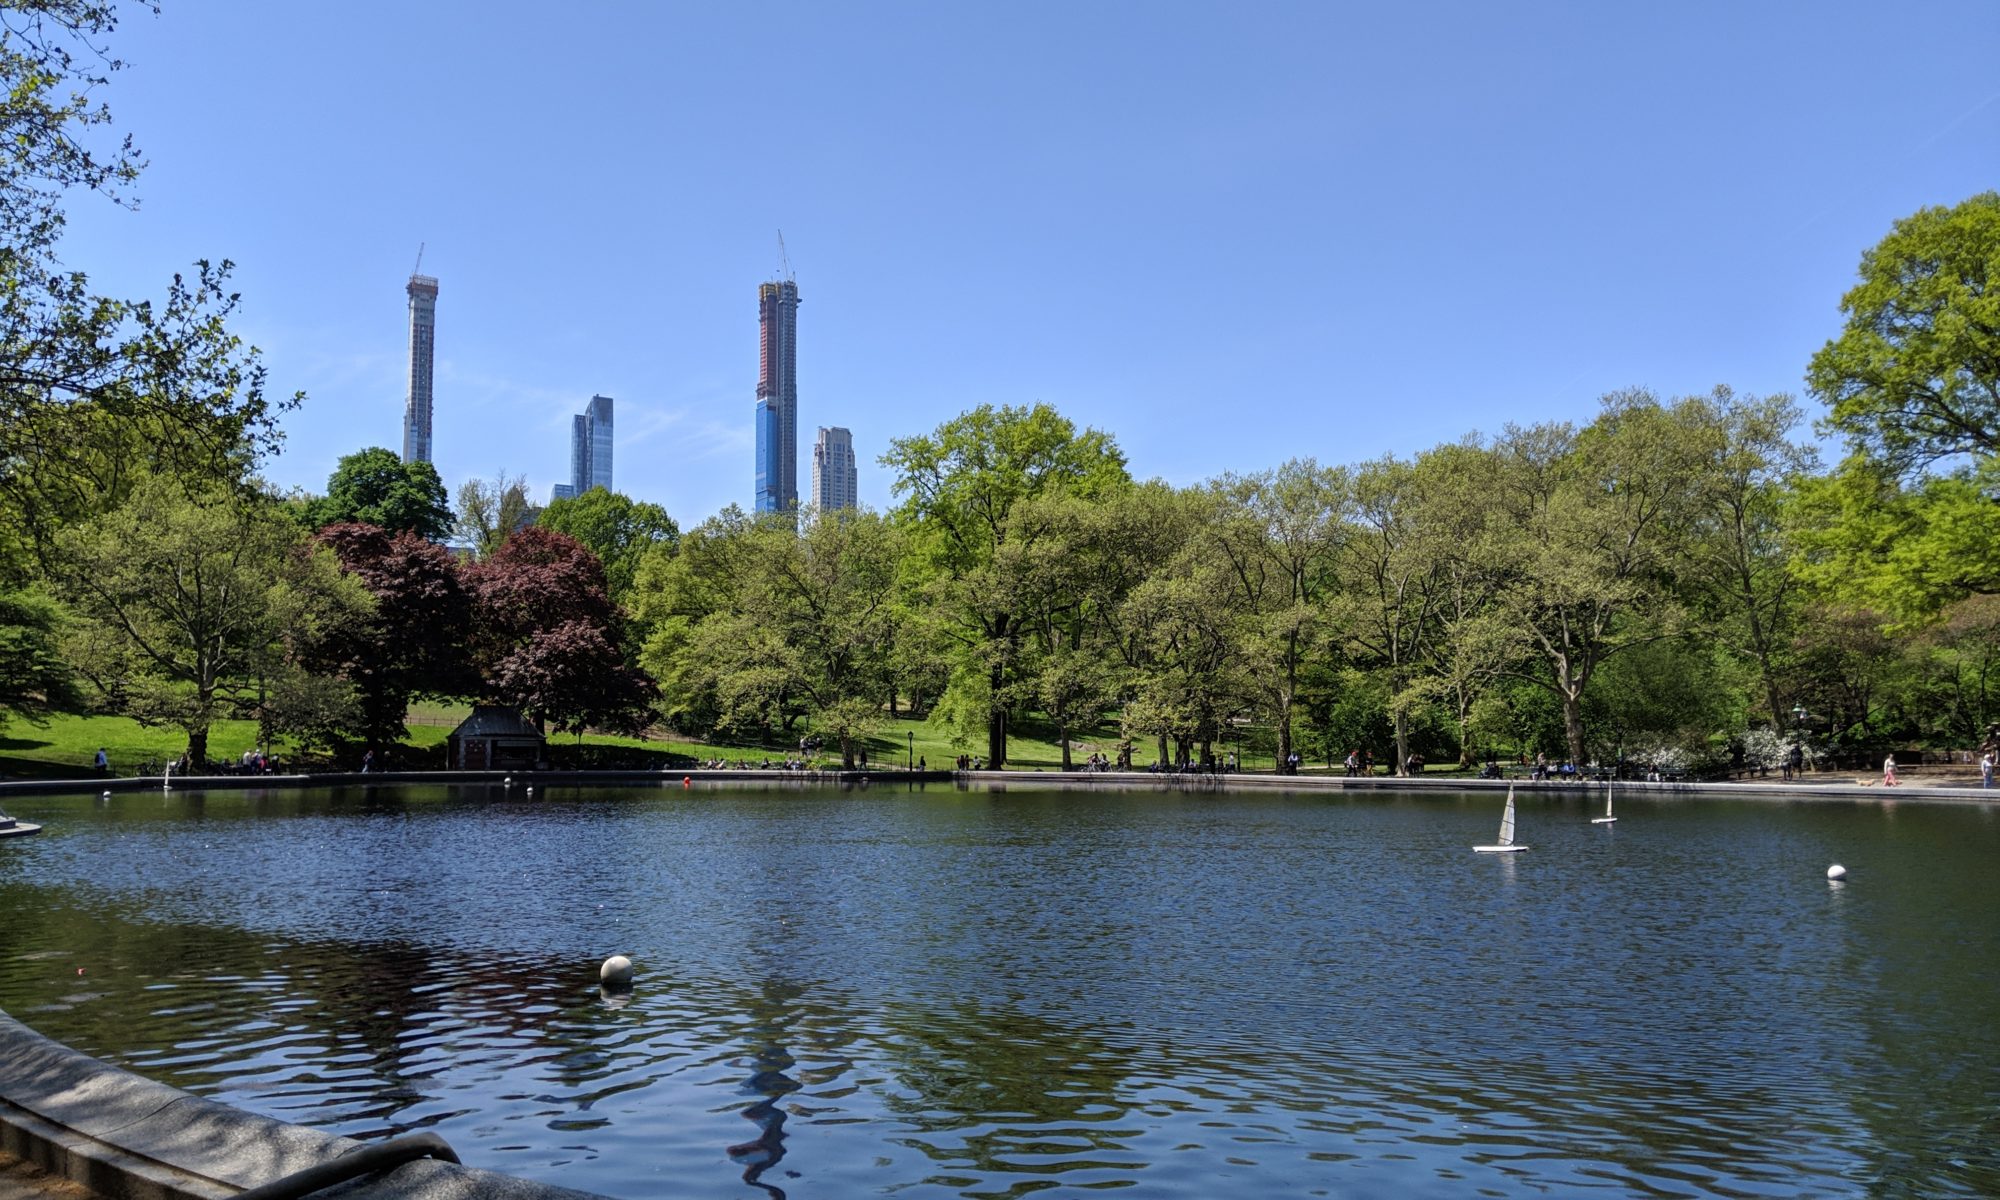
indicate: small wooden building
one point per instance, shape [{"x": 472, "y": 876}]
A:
[{"x": 494, "y": 738}]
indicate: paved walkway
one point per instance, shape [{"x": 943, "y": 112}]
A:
[{"x": 24, "y": 1181}]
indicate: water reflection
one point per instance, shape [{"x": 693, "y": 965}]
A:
[{"x": 978, "y": 994}]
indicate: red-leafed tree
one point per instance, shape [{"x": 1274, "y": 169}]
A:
[
  {"x": 416, "y": 642},
  {"x": 548, "y": 638}
]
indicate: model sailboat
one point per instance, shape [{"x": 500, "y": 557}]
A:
[
  {"x": 1607, "y": 818},
  {"x": 1506, "y": 844}
]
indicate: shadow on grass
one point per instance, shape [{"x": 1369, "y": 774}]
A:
[
  {"x": 35, "y": 768},
  {"x": 14, "y": 743}
]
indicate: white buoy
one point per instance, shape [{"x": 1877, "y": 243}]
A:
[
  {"x": 1836, "y": 871},
  {"x": 616, "y": 971},
  {"x": 531, "y": 789},
  {"x": 105, "y": 796},
  {"x": 508, "y": 782}
]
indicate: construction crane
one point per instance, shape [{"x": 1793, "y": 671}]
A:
[
  {"x": 784, "y": 260},
  {"x": 419, "y": 268}
]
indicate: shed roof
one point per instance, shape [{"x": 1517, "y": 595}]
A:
[{"x": 495, "y": 720}]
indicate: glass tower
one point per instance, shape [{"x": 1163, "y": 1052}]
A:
[
  {"x": 423, "y": 292},
  {"x": 590, "y": 447},
  {"x": 777, "y": 397}
]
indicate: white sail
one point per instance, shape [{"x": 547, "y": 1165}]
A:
[
  {"x": 1507, "y": 821},
  {"x": 1607, "y": 818}
]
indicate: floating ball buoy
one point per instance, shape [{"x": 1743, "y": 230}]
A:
[
  {"x": 105, "y": 796},
  {"x": 616, "y": 971},
  {"x": 1836, "y": 871},
  {"x": 507, "y": 782},
  {"x": 531, "y": 789},
  {"x": 686, "y": 781}
]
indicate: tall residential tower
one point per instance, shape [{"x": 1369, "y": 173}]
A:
[
  {"x": 777, "y": 397},
  {"x": 833, "y": 470},
  {"x": 423, "y": 290},
  {"x": 590, "y": 447}
]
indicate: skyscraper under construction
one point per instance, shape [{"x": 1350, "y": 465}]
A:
[
  {"x": 777, "y": 397},
  {"x": 423, "y": 290}
]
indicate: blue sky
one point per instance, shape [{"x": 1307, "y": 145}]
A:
[{"x": 1228, "y": 234}]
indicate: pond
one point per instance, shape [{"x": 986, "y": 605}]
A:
[{"x": 946, "y": 992}]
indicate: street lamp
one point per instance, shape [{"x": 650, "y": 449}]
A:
[{"x": 1795, "y": 763}]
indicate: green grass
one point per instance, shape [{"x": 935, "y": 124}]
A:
[{"x": 66, "y": 746}]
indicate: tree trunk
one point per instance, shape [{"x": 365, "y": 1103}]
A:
[
  {"x": 1573, "y": 725},
  {"x": 1284, "y": 734},
  {"x": 1400, "y": 766},
  {"x": 1164, "y": 760},
  {"x": 1062, "y": 735},
  {"x": 892, "y": 704},
  {"x": 198, "y": 748},
  {"x": 846, "y": 753},
  {"x": 996, "y": 725}
]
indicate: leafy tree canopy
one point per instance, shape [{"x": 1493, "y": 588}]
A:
[
  {"x": 618, "y": 529},
  {"x": 376, "y": 487},
  {"x": 1915, "y": 375}
]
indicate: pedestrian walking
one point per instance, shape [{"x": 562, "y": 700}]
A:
[
  {"x": 1986, "y": 770},
  {"x": 1889, "y": 771}
]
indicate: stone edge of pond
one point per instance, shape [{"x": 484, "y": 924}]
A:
[
  {"x": 126, "y": 1137},
  {"x": 1844, "y": 787}
]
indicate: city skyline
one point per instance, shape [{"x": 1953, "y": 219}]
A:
[{"x": 1226, "y": 237}]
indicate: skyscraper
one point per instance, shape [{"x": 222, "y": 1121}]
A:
[
  {"x": 777, "y": 397},
  {"x": 590, "y": 447},
  {"x": 833, "y": 470},
  {"x": 423, "y": 290}
]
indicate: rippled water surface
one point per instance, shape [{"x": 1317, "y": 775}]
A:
[{"x": 950, "y": 993}]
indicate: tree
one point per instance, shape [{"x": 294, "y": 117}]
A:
[
  {"x": 1589, "y": 539},
  {"x": 490, "y": 511},
  {"x": 960, "y": 485},
  {"x": 95, "y": 392},
  {"x": 376, "y": 487},
  {"x": 193, "y": 605},
  {"x": 415, "y": 641},
  {"x": 618, "y": 529},
  {"x": 546, "y": 636},
  {"x": 1737, "y": 558},
  {"x": 1867, "y": 541},
  {"x": 759, "y": 623},
  {"x": 1280, "y": 534},
  {"x": 1915, "y": 375},
  {"x": 35, "y": 680}
]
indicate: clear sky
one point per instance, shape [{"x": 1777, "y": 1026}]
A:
[{"x": 1229, "y": 234}]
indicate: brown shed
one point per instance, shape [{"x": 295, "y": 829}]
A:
[{"x": 493, "y": 738}]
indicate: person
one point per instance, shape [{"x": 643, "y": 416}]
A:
[
  {"x": 1986, "y": 770},
  {"x": 367, "y": 762},
  {"x": 103, "y": 762},
  {"x": 1795, "y": 762},
  {"x": 921, "y": 765},
  {"x": 1889, "y": 771}
]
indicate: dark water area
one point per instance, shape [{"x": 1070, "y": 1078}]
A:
[{"x": 941, "y": 992}]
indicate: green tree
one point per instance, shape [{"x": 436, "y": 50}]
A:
[
  {"x": 1280, "y": 535},
  {"x": 490, "y": 511},
  {"x": 195, "y": 606},
  {"x": 1593, "y": 522},
  {"x": 97, "y": 392},
  {"x": 960, "y": 485},
  {"x": 618, "y": 529},
  {"x": 376, "y": 487},
  {"x": 35, "y": 680},
  {"x": 1915, "y": 375}
]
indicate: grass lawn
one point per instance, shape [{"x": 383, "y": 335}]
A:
[{"x": 67, "y": 745}]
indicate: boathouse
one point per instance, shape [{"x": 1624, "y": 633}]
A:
[{"x": 494, "y": 738}]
